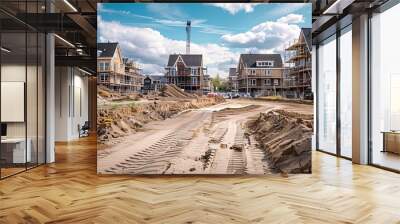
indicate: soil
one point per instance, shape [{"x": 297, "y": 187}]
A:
[
  {"x": 199, "y": 139},
  {"x": 121, "y": 115},
  {"x": 286, "y": 139}
]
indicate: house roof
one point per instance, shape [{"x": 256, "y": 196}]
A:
[
  {"x": 106, "y": 50},
  {"x": 188, "y": 59},
  {"x": 250, "y": 59},
  {"x": 307, "y": 36},
  {"x": 160, "y": 78}
]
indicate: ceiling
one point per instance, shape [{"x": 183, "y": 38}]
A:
[{"x": 73, "y": 21}]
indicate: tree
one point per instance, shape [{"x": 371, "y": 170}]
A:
[
  {"x": 220, "y": 85},
  {"x": 216, "y": 81}
]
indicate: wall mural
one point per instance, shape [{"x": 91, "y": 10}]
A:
[{"x": 204, "y": 88}]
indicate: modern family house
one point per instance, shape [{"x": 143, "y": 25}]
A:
[
  {"x": 260, "y": 74},
  {"x": 297, "y": 80},
  {"x": 133, "y": 78},
  {"x": 115, "y": 72},
  {"x": 153, "y": 83},
  {"x": 232, "y": 80},
  {"x": 186, "y": 71}
]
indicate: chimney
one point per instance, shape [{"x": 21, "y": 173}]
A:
[{"x": 188, "y": 29}]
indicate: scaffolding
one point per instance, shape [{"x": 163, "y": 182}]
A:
[{"x": 297, "y": 72}]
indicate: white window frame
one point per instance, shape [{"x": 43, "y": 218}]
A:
[
  {"x": 103, "y": 77},
  {"x": 194, "y": 71},
  {"x": 276, "y": 82},
  {"x": 265, "y": 63}
]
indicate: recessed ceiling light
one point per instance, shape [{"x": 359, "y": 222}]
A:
[
  {"x": 70, "y": 5},
  {"x": 5, "y": 50},
  {"x": 64, "y": 40},
  {"x": 88, "y": 73}
]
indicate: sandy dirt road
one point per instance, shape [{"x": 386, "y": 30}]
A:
[{"x": 210, "y": 140}]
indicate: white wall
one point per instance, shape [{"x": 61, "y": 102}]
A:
[{"x": 71, "y": 87}]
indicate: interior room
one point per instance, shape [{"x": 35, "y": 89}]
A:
[{"x": 48, "y": 150}]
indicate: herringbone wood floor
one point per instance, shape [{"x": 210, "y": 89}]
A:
[{"x": 69, "y": 191}]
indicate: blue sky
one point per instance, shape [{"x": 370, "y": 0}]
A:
[{"x": 220, "y": 31}]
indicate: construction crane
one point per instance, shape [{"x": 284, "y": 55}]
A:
[{"x": 188, "y": 30}]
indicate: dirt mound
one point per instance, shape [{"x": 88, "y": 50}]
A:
[
  {"x": 238, "y": 110},
  {"x": 286, "y": 139},
  {"x": 171, "y": 90},
  {"x": 120, "y": 121},
  {"x": 107, "y": 94}
]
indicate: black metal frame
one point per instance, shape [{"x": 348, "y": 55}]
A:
[
  {"x": 338, "y": 152},
  {"x": 44, "y": 77}
]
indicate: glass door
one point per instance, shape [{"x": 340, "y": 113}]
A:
[
  {"x": 385, "y": 89},
  {"x": 326, "y": 101}
]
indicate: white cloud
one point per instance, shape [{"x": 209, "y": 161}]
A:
[
  {"x": 169, "y": 11},
  {"x": 267, "y": 36},
  {"x": 165, "y": 22},
  {"x": 234, "y": 8},
  {"x": 151, "y": 49},
  {"x": 288, "y": 8},
  {"x": 292, "y": 18}
]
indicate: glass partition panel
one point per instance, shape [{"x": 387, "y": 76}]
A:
[
  {"x": 31, "y": 98},
  {"x": 41, "y": 98},
  {"x": 346, "y": 92},
  {"x": 14, "y": 154},
  {"x": 326, "y": 101}
]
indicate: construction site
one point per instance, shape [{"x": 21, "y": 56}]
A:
[{"x": 176, "y": 128}]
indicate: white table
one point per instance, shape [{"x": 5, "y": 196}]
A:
[{"x": 18, "y": 150}]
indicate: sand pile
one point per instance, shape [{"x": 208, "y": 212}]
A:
[
  {"x": 286, "y": 139},
  {"x": 171, "y": 90},
  {"x": 108, "y": 95},
  {"x": 114, "y": 123}
]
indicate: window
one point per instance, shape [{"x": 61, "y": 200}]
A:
[
  {"x": 101, "y": 66},
  {"x": 326, "y": 101},
  {"x": 194, "y": 71},
  {"x": 268, "y": 72},
  {"x": 346, "y": 92},
  {"x": 276, "y": 82},
  {"x": 385, "y": 88},
  {"x": 265, "y": 63},
  {"x": 252, "y": 82},
  {"x": 104, "y": 66},
  {"x": 253, "y": 72},
  {"x": 103, "y": 77},
  {"x": 267, "y": 82},
  {"x": 22, "y": 100}
]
